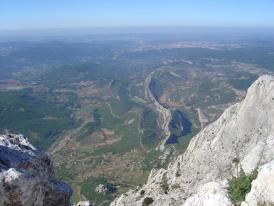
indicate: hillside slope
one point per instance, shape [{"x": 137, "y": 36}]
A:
[{"x": 244, "y": 132}]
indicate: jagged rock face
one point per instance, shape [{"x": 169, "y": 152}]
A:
[
  {"x": 215, "y": 194},
  {"x": 245, "y": 131},
  {"x": 262, "y": 190},
  {"x": 210, "y": 194},
  {"x": 26, "y": 176}
]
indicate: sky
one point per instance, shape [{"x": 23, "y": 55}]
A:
[{"x": 42, "y": 14}]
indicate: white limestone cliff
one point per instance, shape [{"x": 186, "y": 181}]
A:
[
  {"x": 210, "y": 194},
  {"x": 245, "y": 132},
  {"x": 262, "y": 190},
  {"x": 26, "y": 176}
]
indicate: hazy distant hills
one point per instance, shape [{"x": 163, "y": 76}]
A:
[{"x": 86, "y": 102}]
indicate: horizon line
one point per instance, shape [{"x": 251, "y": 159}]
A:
[{"x": 139, "y": 26}]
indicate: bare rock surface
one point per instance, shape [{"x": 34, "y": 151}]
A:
[
  {"x": 26, "y": 175},
  {"x": 262, "y": 190},
  {"x": 84, "y": 203},
  {"x": 101, "y": 189},
  {"x": 212, "y": 193},
  {"x": 245, "y": 131}
]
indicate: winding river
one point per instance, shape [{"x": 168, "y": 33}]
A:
[
  {"x": 165, "y": 114},
  {"x": 166, "y": 119}
]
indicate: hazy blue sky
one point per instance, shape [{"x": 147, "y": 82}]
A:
[{"x": 26, "y": 14}]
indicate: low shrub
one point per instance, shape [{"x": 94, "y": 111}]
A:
[
  {"x": 142, "y": 192},
  {"x": 147, "y": 201},
  {"x": 240, "y": 186}
]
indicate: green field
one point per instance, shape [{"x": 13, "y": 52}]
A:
[{"x": 32, "y": 115}]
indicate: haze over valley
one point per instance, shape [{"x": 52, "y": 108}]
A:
[
  {"x": 108, "y": 111},
  {"x": 136, "y": 104}
]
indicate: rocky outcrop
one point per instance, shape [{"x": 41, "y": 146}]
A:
[
  {"x": 244, "y": 132},
  {"x": 215, "y": 194},
  {"x": 210, "y": 194},
  {"x": 26, "y": 176},
  {"x": 101, "y": 189},
  {"x": 262, "y": 191},
  {"x": 84, "y": 203}
]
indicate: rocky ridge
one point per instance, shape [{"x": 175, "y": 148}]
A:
[
  {"x": 245, "y": 131},
  {"x": 27, "y": 177}
]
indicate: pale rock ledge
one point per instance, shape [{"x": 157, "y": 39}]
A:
[{"x": 262, "y": 190}]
